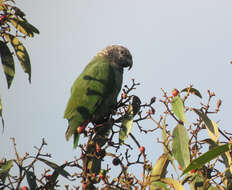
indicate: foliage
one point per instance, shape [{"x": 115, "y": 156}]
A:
[
  {"x": 187, "y": 160},
  {"x": 13, "y": 26},
  {"x": 202, "y": 163}
]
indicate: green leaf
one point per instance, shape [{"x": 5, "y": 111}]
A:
[
  {"x": 211, "y": 126},
  {"x": 180, "y": 148},
  {"x": 136, "y": 102},
  {"x": 4, "y": 169},
  {"x": 31, "y": 179},
  {"x": 126, "y": 126},
  {"x": 7, "y": 63},
  {"x": 226, "y": 157},
  {"x": 76, "y": 138},
  {"x": 21, "y": 53},
  {"x": 57, "y": 168},
  {"x": 178, "y": 108},
  {"x": 1, "y": 113},
  {"x": 192, "y": 91},
  {"x": 6, "y": 166},
  {"x": 166, "y": 146},
  {"x": 55, "y": 174},
  {"x": 157, "y": 185},
  {"x": 197, "y": 181},
  {"x": 31, "y": 27},
  {"x": 160, "y": 168},
  {"x": 206, "y": 157}
]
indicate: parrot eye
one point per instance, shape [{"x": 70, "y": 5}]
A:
[{"x": 122, "y": 52}]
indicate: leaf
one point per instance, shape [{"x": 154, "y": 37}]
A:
[
  {"x": 164, "y": 137},
  {"x": 157, "y": 185},
  {"x": 1, "y": 6},
  {"x": 136, "y": 102},
  {"x": 126, "y": 126},
  {"x": 166, "y": 146},
  {"x": 33, "y": 28},
  {"x": 160, "y": 168},
  {"x": 76, "y": 138},
  {"x": 18, "y": 25},
  {"x": 7, "y": 63},
  {"x": 192, "y": 91},
  {"x": 21, "y": 53},
  {"x": 197, "y": 181},
  {"x": 6, "y": 166},
  {"x": 178, "y": 108},
  {"x": 24, "y": 27},
  {"x": 206, "y": 157},
  {"x": 180, "y": 148},
  {"x": 18, "y": 12},
  {"x": 4, "y": 169},
  {"x": 173, "y": 183},
  {"x": 226, "y": 157},
  {"x": 229, "y": 161},
  {"x": 211, "y": 126},
  {"x": 57, "y": 168},
  {"x": 55, "y": 174},
  {"x": 31, "y": 179},
  {"x": 1, "y": 113},
  {"x": 213, "y": 188}
]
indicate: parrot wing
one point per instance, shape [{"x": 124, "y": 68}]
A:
[{"x": 93, "y": 86}]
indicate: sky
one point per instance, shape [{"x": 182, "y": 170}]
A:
[{"x": 173, "y": 44}]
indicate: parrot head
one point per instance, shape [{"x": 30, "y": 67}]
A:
[{"x": 120, "y": 55}]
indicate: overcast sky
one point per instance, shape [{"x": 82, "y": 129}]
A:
[{"x": 174, "y": 43}]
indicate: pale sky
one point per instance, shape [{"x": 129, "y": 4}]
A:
[{"x": 174, "y": 43}]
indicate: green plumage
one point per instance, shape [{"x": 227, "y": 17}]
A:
[
  {"x": 89, "y": 91},
  {"x": 95, "y": 91}
]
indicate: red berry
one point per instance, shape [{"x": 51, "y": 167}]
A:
[
  {"x": 48, "y": 177},
  {"x": 84, "y": 186},
  {"x": 124, "y": 95},
  {"x": 103, "y": 172},
  {"x": 101, "y": 176},
  {"x": 175, "y": 92},
  {"x": 192, "y": 171},
  {"x": 24, "y": 188},
  {"x": 98, "y": 147},
  {"x": 2, "y": 18},
  {"x": 81, "y": 129},
  {"x": 142, "y": 149}
]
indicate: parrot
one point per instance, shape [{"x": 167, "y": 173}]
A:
[{"x": 94, "y": 93}]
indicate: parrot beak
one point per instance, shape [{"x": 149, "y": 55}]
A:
[{"x": 130, "y": 64}]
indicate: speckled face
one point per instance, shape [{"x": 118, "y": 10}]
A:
[
  {"x": 119, "y": 54},
  {"x": 125, "y": 58}
]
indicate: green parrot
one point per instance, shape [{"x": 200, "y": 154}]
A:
[{"x": 95, "y": 91}]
